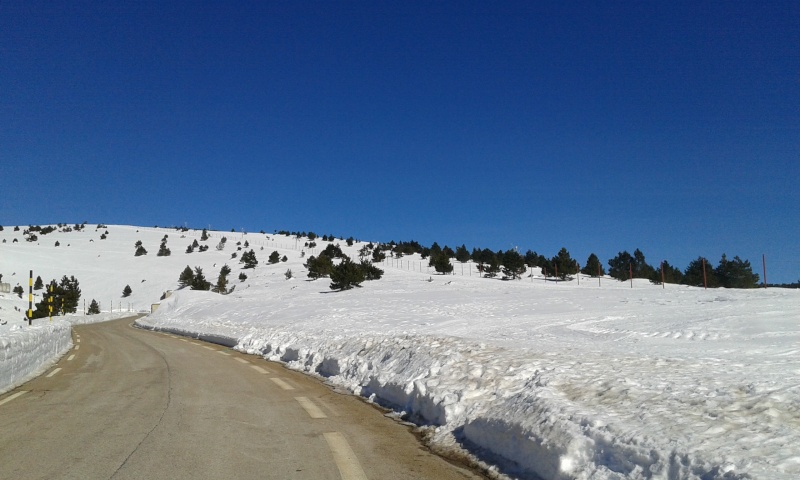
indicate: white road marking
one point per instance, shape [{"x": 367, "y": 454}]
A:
[
  {"x": 223, "y": 353},
  {"x": 345, "y": 459},
  {"x": 198, "y": 344},
  {"x": 77, "y": 347},
  {"x": 184, "y": 340},
  {"x": 312, "y": 410},
  {"x": 207, "y": 347},
  {"x": 259, "y": 369},
  {"x": 12, "y": 397},
  {"x": 281, "y": 383},
  {"x": 241, "y": 360},
  {"x": 69, "y": 359},
  {"x": 53, "y": 372},
  {"x": 79, "y": 340}
]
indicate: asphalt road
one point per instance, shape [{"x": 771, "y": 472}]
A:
[{"x": 129, "y": 403}]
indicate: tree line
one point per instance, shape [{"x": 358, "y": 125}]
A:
[{"x": 511, "y": 264}]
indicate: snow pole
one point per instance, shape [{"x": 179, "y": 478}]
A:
[
  {"x": 50, "y": 303},
  {"x": 30, "y": 299},
  {"x": 764, "y": 263},
  {"x": 630, "y": 272},
  {"x": 598, "y": 274},
  {"x": 578, "y": 266},
  {"x": 705, "y": 280}
]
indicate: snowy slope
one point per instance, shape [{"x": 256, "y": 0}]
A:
[{"x": 555, "y": 380}]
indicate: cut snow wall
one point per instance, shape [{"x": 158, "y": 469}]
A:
[{"x": 29, "y": 351}]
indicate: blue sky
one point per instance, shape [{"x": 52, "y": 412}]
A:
[{"x": 673, "y": 127}]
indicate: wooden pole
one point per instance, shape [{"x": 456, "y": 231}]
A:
[
  {"x": 630, "y": 272},
  {"x": 705, "y": 280}
]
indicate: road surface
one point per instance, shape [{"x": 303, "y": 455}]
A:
[{"x": 130, "y": 403}]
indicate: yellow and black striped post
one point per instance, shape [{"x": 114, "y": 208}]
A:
[
  {"x": 50, "y": 303},
  {"x": 30, "y": 299}
]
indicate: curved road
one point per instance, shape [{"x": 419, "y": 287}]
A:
[{"x": 129, "y": 403}]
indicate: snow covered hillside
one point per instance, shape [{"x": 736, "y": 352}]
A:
[{"x": 556, "y": 380}]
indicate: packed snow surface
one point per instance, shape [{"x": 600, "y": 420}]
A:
[{"x": 597, "y": 380}]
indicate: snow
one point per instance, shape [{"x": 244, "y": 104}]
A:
[{"x": 556, "y": 380}]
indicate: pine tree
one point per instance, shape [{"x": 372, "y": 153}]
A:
[
  {"x": 186, "y": 277},
  {"x": 71, "y": 294},
  {"x": 319, "y": 267},
  {"x": 204, "y": 235},
  {"x": 222, "y": 280},
  {"x": 736, "y": 273},
  {"x": 513, "y": 264},
  {"x": 126, "y": 292},
  {"x": 346, "y": 275},
  {"x": 94, "y": 308},
  {"x": 140, "y": 250},
  {"x": 274, "y": 257},
  {"x": 620, "y": 266},
  {"x": 163, "y": 251},
  {"x": 671, "y": 274},
  {"x": 249, "y": 259},
  {"x": 242, "y": 277},
  {"x": 593, "y": 266},
  {"x": 564, "y": 264},
  {"x": 441, "y": 263},
  {"x": 462, "y": 254},
  {"x": 693, "y": 275},
  {"x": 288, "y": 274},
  {"x": 199, "y": 281},
  {"x": 371, "y": 272},
  {"x": 38, "y": 285}
]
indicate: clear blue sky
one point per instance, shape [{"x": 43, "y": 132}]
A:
[{"x": 673, "y": 127}]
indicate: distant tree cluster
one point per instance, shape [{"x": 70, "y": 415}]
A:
[{"x": 194, "y": 279}]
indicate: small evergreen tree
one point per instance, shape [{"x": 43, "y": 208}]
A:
[
  {"x": 288, "y": 274},
  {"x": 242, "y": 277},
  {"x": 249, "y": 259},
  {"x": 513, "y": 264},
  {"x": 126, "y": 292},
  {"x": 735, "y": 273},
  {"x": 140, "y": 250},
  {"x": 94, "y": 308},
  {"x": 186, "y": 277},
  {"x": 38, "y": 285},
  {"x": 564, "y": 264},
  {"x": 333, "y": 251},
  {"x": 350, "y": 241},
  {"x": 274, "y": 257},
  {"x": 163, "y": 251},
  {"x": 462, "y": 254},
  {"x": 222, "y": 280},
  {"x": 371, "y": 272},
  {"x": 204, "y": 235},
  {"x": 693, "y": 275},
  {"x": 593, "y": 266},
  {"x": 319, "y": 267},
  {"x": 199, "y": 281},
  {"x": 346, "y": 275},
  {"x": 441, "y": 263},
  {"x": 671, "y": 274},
  {"x": 190, "y": 249},
  {"x": 18, "y": 290}
]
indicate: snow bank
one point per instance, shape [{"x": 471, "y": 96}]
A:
[
  {"x": 27, "y": 351},
  {"x": 591, "y": 396}
]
